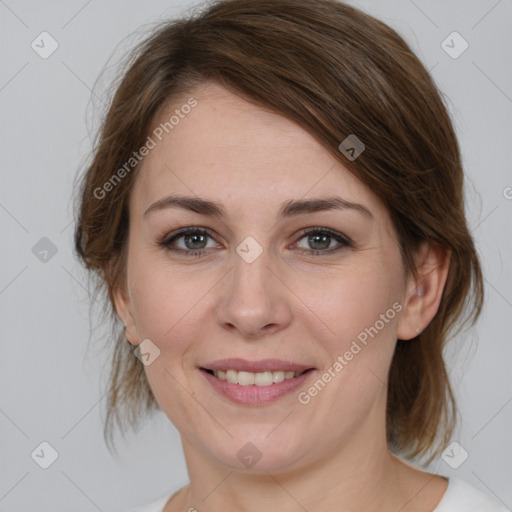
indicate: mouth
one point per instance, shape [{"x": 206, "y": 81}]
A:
[{"x": 255, "y": 383}]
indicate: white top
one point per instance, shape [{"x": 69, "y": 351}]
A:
[{"x": 459, "y": 497}]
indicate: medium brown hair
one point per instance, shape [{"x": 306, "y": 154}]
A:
[{"x": 335, "y": 71}]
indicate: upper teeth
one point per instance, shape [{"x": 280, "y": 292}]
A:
[{"x": 258, "y": 379}]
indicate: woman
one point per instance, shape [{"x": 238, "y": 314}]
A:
[{"x": 275, "y": 209}]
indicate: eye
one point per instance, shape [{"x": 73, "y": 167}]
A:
[
  {"x": 319, "y": 240},
  {"x": 194, "y": 241}
]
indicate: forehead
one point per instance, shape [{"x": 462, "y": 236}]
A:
[{"x": 228, "y": 149}]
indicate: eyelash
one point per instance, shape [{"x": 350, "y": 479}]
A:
[{"x": 342, "y": 239}]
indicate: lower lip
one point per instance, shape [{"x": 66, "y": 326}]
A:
[{"x": 256, "y": 395}]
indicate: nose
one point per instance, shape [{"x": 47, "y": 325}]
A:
[{"x": 254, "y": 302}]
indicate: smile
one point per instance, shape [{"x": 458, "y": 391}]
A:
[
  {"x": 254, "y": 388},
  {"x": 256, "y": 379}
]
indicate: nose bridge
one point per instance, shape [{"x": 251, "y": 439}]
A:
[
  {"x": 250, "y": 277},
  {"x": 252, "y": 299}
]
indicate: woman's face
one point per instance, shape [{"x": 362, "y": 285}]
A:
[{"x": 252, "y": 289}]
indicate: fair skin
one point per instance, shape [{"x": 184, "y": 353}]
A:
[{"x": 289, "y": 304}]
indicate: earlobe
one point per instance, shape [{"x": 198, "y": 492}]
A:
[{"x": 425, "y": 292}]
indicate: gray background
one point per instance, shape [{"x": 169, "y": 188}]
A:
[{"x": 51, "y": 386}]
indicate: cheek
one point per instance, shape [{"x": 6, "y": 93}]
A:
[
  {"x": 352, "y": 301},
  {"x": 167, "y": 308},
  {"x": 168, "y": 303},
  {"x": 361, "y": 310}
]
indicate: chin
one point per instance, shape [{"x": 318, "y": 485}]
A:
[{"x": 253, "y": 450}]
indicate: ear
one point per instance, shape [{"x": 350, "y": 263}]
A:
[
  {"x": 125, "y": 312},
  {"x": 423, "y": 294}
]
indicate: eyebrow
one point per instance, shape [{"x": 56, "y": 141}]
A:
[{"x": 289, "y": 208}]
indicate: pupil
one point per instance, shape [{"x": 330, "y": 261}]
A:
[
  {"x": 195, "y": 238},
  {"x": 314, "y": 238}
]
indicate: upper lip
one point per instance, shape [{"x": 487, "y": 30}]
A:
[{"x": 262, "y": 365}]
